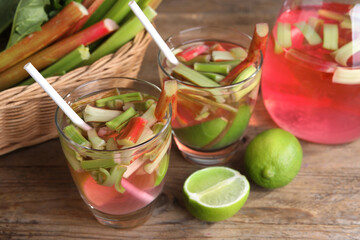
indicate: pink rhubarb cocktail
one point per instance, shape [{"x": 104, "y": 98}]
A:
[
  {"x": 311, "y": 77},
  {"x": 120, "y": 164}
]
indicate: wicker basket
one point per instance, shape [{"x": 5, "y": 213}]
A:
[{"x": 27, "y": 112}]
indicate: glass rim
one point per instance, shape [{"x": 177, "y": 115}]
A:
[
  {"x": 217, "y": 87},
  {"x": 168, "y": 121}
]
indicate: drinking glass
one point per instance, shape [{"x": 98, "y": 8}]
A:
[
  {"x": 130, "y": 201},
  {"x": 211, "y": 121},
  {"x": 311, "y": 78}
]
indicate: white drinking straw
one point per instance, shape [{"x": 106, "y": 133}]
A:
[
  {"x": 154, "y": 34},
  {"x": 56, "y": 97}
]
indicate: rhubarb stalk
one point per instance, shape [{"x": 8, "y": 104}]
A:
[
  {"x": 56, "y": 51},
  {"x": 132, "y": 132},
  {"x": 65, "y": 64},
  {"x": 100, "y": 12},
  {"x": 125, "y": 33},
  {"x": 257, "y": 45},
  {"x": 91, "y": 9},
  {"x": 50, "y": 31},
  {"x": 167, "y": 96}
]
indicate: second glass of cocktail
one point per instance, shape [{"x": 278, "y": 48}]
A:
[
  {"x": 118, "y": 166},
  {"x": 214, "y": 103}
]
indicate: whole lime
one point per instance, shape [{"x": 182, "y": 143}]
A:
[{"x": 273, "y": 158}]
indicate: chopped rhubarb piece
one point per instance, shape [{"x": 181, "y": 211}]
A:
[
  {"x": 239, "y": 53},
  {"x": 205, "y": 58},
  {"x": 346, "y": 76},
  {"x": 284, "y": 35},
  {"x": 343, "y": 54},
  {"x": 194, "y": 76},
  {"x": 132, "y": 132},
  {"x": 218, "y": 68},
  {"x": 191, "y": 52},
  {"x": 309, "y": 33},
  {"x": 331, "y": 15},
  {"x": 217, "y": 47},
  {"x": 258, "y": 42},
  {"x": 94, "y": 114},
  {"x": 331, "y": 36},
  {"x": 257, "y": 45},
  {"x": 218, "y": 56},
  {"x": 316, "y": 23},
  {"x": 213, "y": 76},
  {"x": 167, "y": 96}
]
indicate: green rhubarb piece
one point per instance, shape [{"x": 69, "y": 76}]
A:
[
  {"x": 99, "y": 13},
  {"x": 239, "y": 53},
  {"x": 113, "y": 178},
  {"x": 156, "y": 128},
  {"x": 71, "y": 155},
  {"x": 222, "y": 55},
  {"x": 94, "y": 114},
  {"x": 232, "y": 63},
  {"x": 119, "y": 10},
  {"x": 348, "y": 76},
  {"x": 204, "y": 58},
  {"x": 125, "y": 33},
  {"x": 309, "y": 33},
  {"x": 149, "y": 115},
  {"x": 331, "y": 37},
  {"x": 75, "y": 135},
  {"x": 218, "y": 68},
  {"x": 213, "y": 76},
  {"x": 115, "y": 104},
  {"x": 97, "y": 163},
  {"x": 111, "y": 144},
  {"x": 245, "y": 74},
  {"x": 237, "y": 128},
  {"x": 199, "y": 135},
  {"x": 161, "y": 172},
  {"x": 96, "y": 142},
  {"x": 284, "y": 35},
  {"x": 144, "y": 105},
  {"x": 343, "y": 54},
  {"x": 150, "y": 167},
  {"x": 126, "y": 97},
  {"x": 194, "y": 76},
  {"x": 239, "y": 92},
  {"x": 64, "y": 65},
  {"x": 120, "y": 121}
]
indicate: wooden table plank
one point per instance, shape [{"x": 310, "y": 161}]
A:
[{"x": 38, "y": 199}]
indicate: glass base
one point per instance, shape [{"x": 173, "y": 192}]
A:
[
  {"x": 130, "y": 220},
  {"x": 213, "y": 158}
]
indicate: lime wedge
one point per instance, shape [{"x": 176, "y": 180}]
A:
[
  {"x": 237, "y": 128},
  {"x": 161, "y": 172},
  {"x": 215, "y": 193},
  {"x": 199, "y": 135}
]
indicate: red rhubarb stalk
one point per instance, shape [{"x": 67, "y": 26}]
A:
[
  {"x": 257, "y": 45},
  {"x": 132, "y": 131},
  {"x": 87, "y": 3},
  {"x": 51, "y": 54},
  {"x": 191, "y": 52},
  {"x": 50, "y": 31},
  {"x": 167, "y": 96},
  {"x": 91, "y": 9}
]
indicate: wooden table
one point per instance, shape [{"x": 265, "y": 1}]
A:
[{"x": 38, "y": 199}]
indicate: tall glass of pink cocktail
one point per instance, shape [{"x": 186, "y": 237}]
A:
[
  {"x": 119, "y": 168},
  {"x": 311, "y": 75}
]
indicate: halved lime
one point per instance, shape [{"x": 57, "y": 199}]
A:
[
  {"x": 237, "y": 128},
  {"x": 161, "y": 172},
  {"x": 199, "y": 135},
  {"x": 215, "y": 193}
]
